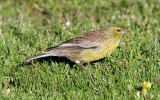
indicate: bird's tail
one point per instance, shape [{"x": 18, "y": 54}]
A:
[{"x": 45, "y": 54}]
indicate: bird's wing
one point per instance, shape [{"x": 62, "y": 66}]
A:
[{"x": 91, "y": 39}]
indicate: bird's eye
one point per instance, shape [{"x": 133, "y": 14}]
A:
[{"x": 118, "y": 30}]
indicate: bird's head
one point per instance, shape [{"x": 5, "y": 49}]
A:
[{"x": 115, "y": 31}]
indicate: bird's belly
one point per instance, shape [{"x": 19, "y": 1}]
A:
[{"x": 92, "y": 55}]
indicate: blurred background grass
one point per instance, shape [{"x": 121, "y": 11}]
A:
[{"x": 28, "y": 27}]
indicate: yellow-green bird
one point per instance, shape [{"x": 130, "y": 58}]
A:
[{"x": 90, "y": 46}]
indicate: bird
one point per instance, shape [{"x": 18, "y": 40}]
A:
[{"x": 89, "y": 46}]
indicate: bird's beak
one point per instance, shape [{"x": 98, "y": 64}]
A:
[{"x": 125, "y": 31}]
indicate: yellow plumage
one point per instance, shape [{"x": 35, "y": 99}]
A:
[
  {"x": 92, "y": 55},
  {"x": 90, "y": 46}
]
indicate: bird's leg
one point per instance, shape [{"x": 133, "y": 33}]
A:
[
  {"x": 92, "y": 76},
  {"x": 85, "y": 69},
  {"x": 78, "y": 62}
]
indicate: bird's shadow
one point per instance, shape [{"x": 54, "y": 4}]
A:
[
  {"x": 58, "y": 60},
  {"x": 51, "y": 59}
]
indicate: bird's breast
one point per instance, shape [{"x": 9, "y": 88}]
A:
[{"x": 105, "y": 49}]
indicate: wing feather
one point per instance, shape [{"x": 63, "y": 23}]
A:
[{"x": 88, "y": 40}]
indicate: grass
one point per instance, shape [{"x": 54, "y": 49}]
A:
[{"x": 28, "y": 27}]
